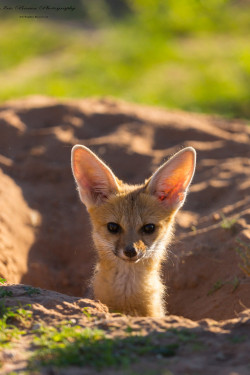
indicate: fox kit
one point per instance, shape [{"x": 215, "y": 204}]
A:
[{"x": 131, "y": 228}]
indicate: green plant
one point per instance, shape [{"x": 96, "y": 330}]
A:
[
  {"x": 129, "y": 329},
  {"x": 29, "y": 290},
  {"x": 67, "y": 345},
  {"x": 236, "y": 283},
  {"x": 183, "y": 335},
  {"x": 8, "y": 316},
  {"x": 2, "y": 280},
  {"x": 244, "y": 252},
  {"x": 87, "y": 313},
  {"x": 217, "y": 285},
  {"x": 227, "y": 223},
  {"x": 238, "y": 339},
  {"x": 5, "y": 293}
]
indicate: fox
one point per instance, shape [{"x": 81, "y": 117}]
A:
[{"x": 132, "y": 226}]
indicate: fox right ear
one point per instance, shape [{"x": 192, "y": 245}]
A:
[
  {"x": 170, "y": 183},
  {"x": 95, "y": 181}
]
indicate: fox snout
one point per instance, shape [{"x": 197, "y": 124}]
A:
[
  {"x": 133, "y": 251},
  {"x": 130, "y": 251}
]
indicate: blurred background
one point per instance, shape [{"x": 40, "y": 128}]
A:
[{"x": 192, "y": 55}]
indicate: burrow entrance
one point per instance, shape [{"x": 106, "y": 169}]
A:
[{"x": 45, "y": 232}]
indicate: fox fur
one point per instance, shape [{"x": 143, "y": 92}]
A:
[{"x": 127, "y": 277}]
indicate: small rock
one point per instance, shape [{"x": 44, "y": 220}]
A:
[
  {"x": 220, "y": 356},
  {"x": 7, "y": 355},
  {"x": 36, "y": 326},
  {"x": 216, "y": 216}
]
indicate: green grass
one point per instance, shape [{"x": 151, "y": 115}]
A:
[
  {"x": 195, "y": 57},
  {"x": 8, "y": 316},
  {"x": 238, "y": 339},
  {"x": 4, "y": 292},
  {"x": 30, "y": 291},
  {"x": 86, "y": 312},
  {"x": 68, "y": 345},
  {"x": 183, "y": 335}
]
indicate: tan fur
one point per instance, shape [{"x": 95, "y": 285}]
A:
[
  {"x": 124, "y": 285},
  {"x": 132, "y": 288}
]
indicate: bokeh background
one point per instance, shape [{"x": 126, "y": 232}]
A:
[{"x": 193, "y": 55}]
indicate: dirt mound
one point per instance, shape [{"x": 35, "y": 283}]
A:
[
  {"x": 16, "y": 230},
  {"x": 173, "y": 345},
  {"x": 45, "y": 230}
]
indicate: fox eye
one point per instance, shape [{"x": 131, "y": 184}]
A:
[
  {"x": 113, "y": 228},
  {"x": 148, "y": 228}
]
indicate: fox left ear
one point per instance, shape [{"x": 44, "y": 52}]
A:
[
  {"x": 171, "y": 181},
  {"x": 95, "y": 180}
]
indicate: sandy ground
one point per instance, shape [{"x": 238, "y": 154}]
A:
[{"x": 45, "y": 238}]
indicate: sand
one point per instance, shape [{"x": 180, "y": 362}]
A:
[{"x": 45, "y": 235}]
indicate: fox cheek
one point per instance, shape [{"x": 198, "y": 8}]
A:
[{"x": 117, "y": 246}]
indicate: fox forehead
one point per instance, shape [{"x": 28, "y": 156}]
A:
[{"x": 131, "y": 207}]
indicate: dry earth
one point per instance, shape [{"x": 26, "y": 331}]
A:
[{"x": 45, "y": 234}]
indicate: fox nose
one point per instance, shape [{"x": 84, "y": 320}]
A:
[{"x": 130, "y": 251}]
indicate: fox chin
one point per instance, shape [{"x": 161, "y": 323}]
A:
[{"x": 131, "y": 228}]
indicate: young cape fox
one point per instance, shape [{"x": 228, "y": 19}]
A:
[{"x": 131, "y": 228}]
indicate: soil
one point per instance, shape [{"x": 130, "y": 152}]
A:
[{"x": 45, "y": 234}]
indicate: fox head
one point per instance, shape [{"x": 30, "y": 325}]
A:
[{"x": 131, "y": 223}]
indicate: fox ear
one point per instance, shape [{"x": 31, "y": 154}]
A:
[
  {"x": 96, "y": 182},
  {"x": 171, "y": 181}
]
